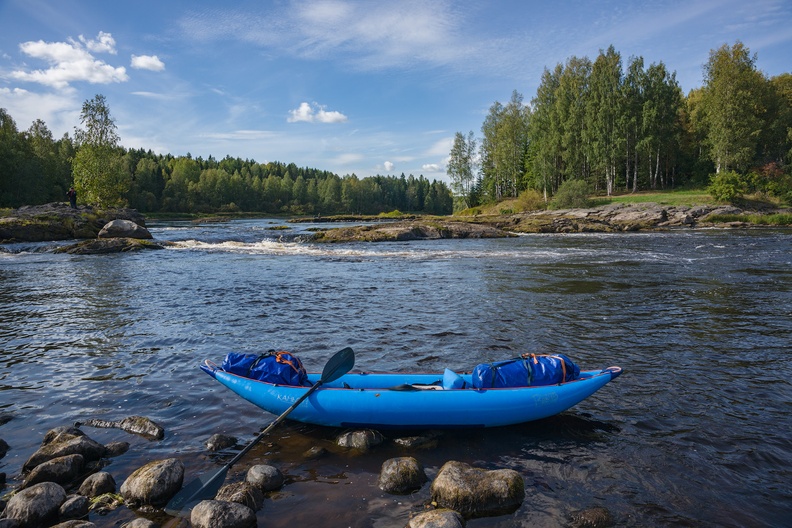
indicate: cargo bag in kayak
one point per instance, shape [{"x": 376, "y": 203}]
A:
[
  {"x": 526, "y": 371},
  {"x": 281, "y": 368}
]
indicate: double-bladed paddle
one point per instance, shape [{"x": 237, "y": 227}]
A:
[{"x": 206, "y": 486}]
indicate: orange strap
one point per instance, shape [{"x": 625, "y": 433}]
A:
[{"x": 279, "y": 358}]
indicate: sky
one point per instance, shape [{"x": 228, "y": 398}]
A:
[{"x": 365, "y": 87}]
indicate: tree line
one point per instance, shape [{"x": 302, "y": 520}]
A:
[
  {"x": 632, "y": 129},
  {"x": 36, "y": 168}
]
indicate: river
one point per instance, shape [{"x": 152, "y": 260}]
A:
[{"x": 696, "y": 432}]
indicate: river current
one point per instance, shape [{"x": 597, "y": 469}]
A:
[{"x": 696, "y": 432}]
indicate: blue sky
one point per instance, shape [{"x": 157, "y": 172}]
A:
[{"x": 364, "y": 87}]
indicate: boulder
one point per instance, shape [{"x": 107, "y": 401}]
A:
[
  {"x": 123, "y": 229},
  {"x": 98, "y": 484},
  {"x": 61, "y": 470},
  {"x": 3, "y": 448},
  {"x": 155, "y": 483},
  {"x": 265, "y": 478},
  {"x": 442, "y": 518},
  {"x": 75, "y": 507},
  {"x": 222, "y": 514},
  {"x": 362, "y": 440},
  {"x": 476, "y": 492},
  {"x": 37, "y": 505},
  {"x": 61, "y": 434},
  {"x": 75, "y": 523},
  {"x": 65, "y": 444},
  {"x": 218, "y": 442},
  {"x": 242, "y": 493},
  {"x": 401, "y": 475},
  {"x": 114, "y": 449}
]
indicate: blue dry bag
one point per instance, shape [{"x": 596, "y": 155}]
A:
[
  {"x": 281, "y": 368},
  {"x": 526, "y": 371}
]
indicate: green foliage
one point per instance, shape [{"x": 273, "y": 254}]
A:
[
  {"x": 531, "y": 200},
  {"x": 572, "y": 194},
  {"x": 727, "y": 186}
]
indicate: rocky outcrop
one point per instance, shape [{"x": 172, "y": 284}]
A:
[
  {"x": 103, "y": 246},
  {"x": 413, "y": 230},
  {"x": 58, "y": 221},
  {"x": 610, "y": 218}
]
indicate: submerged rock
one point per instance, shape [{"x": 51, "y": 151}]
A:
[
  {"x": 592, "y": 518},
  {"x": 218, "y": 442},
  {"x": 362, "y": 440},
  {"x": 104, "y": 246},
  {"x": 476, "y": 492},
  {"x": 412, "y": 230},
  {"x": 401, "y": 475}
]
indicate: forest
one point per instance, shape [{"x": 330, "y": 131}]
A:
[
  {"x": 36, "y": 168},
  {"x": 627, "y": 130}
]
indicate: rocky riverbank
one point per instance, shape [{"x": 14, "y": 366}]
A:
[
  {"x": 606, "y": 219},
  {"x": 68, "y": 483}
]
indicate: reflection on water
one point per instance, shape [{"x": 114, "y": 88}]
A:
[{"x": 694, "y": 433}]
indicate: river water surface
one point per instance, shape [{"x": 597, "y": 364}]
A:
[{"x": 696, "y": 432}]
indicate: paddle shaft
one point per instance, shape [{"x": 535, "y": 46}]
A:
[{"x": 269, "y": 428}]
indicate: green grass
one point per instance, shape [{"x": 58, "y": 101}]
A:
[
  {"x": 688, "y": 197},
  {"x": 780, "y": 219}
]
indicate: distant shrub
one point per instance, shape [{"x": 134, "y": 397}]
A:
[
  {"x": 531, "y": 200},
  {"x": 572, "y": 194},
  {"x": 393, "y": 214},
  {"x": 507, "y": 211},
  {"x": 727, "y": 186}
]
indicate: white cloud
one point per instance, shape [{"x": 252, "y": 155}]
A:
[
  {"x": 314, "y": 114},
  {"x": 441, "y": 147},
  {"x": 147, "y": 62},
  {"x": 70, "y": 62},
  {"x": 432, "y": 167},
  {"x": 346, "y": 159},
  {"x": 388, "y": 166},
  {"x": 104, "y": 43},
  {"x": 59, "y": 111}
]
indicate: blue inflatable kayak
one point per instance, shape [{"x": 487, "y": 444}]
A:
[{"x": 413, "y": 401}]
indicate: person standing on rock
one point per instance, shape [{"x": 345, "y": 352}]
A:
[{"x": 72, "y": 194}]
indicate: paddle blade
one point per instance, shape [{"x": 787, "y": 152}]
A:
[
  {"x": 204, "y": 487},
  {"x": 338, "y": 365}
]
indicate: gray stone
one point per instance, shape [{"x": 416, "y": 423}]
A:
[
  {"x": 123, "y": 229},
  {"x": 114, "y": 449},
  {"x": 37, "y": 505},
  {"x": 401, "y": 475},
  {"x": 442, "y": 518},
  {"x": 104, "y": 246},
  {"x": 139, "y": 425},
  {"x": 75, "y": 507},
  {"x": 61, "y": 434},
  {"x": 476, "y": 492},
  {"x": 222, "y": 514},
  {"x": 218, "y": 442},
  {"x": 155, "y": 483},
  {"x": 62, "y": 445},
  {"x": 362, "y": 440},
  {"x": 243, "y": 493},
  {"x": 264, "y": 477},
  {"x": 98, "y": 484},
  {"x": 61, "y": 470},
  {"x": 75, "y": 523}
]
